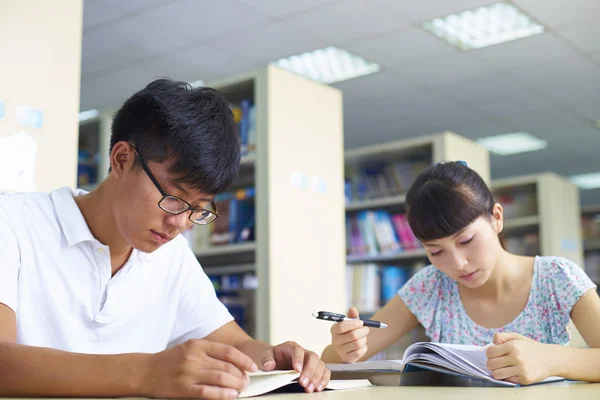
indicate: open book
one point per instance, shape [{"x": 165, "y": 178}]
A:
[
  {"x": 265, "y": 382},
  {"x": 455, "y": 359}
]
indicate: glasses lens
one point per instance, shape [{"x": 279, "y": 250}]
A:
[
  {"x": 173, "y": 205},
  {"x": 203, "y": 217}
]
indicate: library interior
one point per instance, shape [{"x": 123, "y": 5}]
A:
[{"x": 338, "y": 106}]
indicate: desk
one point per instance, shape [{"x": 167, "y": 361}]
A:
[{"x": 559, "y": 390}]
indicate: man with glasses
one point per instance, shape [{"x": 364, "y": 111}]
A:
[{"x": 100, "y": 295}]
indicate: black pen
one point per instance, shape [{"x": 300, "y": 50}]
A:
[{"x": 329, "y": 316}]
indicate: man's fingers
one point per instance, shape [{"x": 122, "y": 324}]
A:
[
  {"x": 214, "y": 364},
  {"x": 315, "y": 380},
  {"x": 311, "y": 365},
  {"x": 211, "y": 392},
  {"x": 232, "y": 355},
  {"x": 220, "y": 379},
  {"x": 324, "y": 379},
  {"x": 297, "y": 358},
  {"x": 269, "y": 364}
]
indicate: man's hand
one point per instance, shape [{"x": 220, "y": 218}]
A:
[
  {"x": 518, "y": 359},
  {"x": 289, "y": 355},
  {"x": 197, "y": 369}
]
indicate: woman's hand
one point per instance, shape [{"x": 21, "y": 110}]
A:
[{"x": 518, "y": 359}]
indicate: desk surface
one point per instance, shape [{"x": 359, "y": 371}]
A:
[{"x": 560, "y": 390}]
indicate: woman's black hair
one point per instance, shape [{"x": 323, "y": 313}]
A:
[{"x": 445, "y": 198}]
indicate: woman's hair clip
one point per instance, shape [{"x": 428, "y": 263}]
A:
[{"x": 462, "y": 162}]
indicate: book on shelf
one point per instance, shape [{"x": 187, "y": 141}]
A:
[
  {"x": 527, "y": 244},
  {"x": 380, "y": 179},
  {"x": 237, "y": 293},
  {"x": 460, "y": 361},
  {"x": 375, "y": 232},
  {"x": 236, "y": 218},
  {"x": 590, "y": 227},
  {"x": 518, "y": 202},
  {"x": 267, "y": 382},
  {"x": 244, "y": 116},
  {"x": 236, "y": 222},
  {"x": 370, "y": 286},
  {"x": 592, "y": 266},
  {"x": 87, "y": 169}
]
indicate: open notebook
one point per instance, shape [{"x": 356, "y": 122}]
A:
[
  {"x": 265, "y": 382},
  {"x": 454, "y": 359}
]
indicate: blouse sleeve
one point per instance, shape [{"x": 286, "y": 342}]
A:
[{"x": 422, "y": 293}]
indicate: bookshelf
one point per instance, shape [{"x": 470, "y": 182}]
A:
[
  {"x": 590, "y": 224},
  {"x": 542, "y": 217},
  {"x": 295, "y": 172},
  {"x": 377, "y": 178},
  {"x": 543, "y": 210}
]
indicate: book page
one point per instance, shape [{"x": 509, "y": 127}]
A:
[
  {"x": 461, "y": 358},
  {"x": 385, "y": 365},
  {"x": 348, "y": 384},
  {"x": 471, "y": 357},
  {"x": 263, "y": 382}
]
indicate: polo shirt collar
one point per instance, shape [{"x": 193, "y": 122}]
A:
[{"x": 71, "y": 221}]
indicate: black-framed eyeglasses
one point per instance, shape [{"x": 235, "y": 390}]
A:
[{"x": 175, "y": 205}]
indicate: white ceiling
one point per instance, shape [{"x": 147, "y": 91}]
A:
[{"x": 548, "y": 85}]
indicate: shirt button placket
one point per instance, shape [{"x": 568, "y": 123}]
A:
[{"x": 103, "y": 265}]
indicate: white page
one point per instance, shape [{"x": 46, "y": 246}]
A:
[
  {"x": 263, "y": 382},
  {"x": 343, "y": 384},
  {"x": 469, "y": 358},
  {"x": 472, "y": 356},
  {"x": 436, "y": 359},
  {"x": 385, "y": 365}
]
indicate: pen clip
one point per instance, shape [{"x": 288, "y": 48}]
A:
[{"x": 329, "y": 316}]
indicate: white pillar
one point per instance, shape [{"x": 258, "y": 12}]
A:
[
  {"x": 106, "y": 118},
  {"x": 40, "y": 67}
]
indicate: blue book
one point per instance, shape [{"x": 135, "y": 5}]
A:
[{"x": 245, "y": 125}]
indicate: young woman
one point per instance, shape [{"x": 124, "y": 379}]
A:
[{"x": 475, "y": 292}]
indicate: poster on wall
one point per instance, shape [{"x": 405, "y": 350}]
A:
[{"x": 17, "y": 163}]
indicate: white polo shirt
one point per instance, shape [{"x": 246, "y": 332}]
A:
[{"x": 57, "y": 278}]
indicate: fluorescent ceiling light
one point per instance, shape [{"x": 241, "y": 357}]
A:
[
  {"x": 88, "y": 114},
  {"x": 484, "y": 26},
  {"x": 512, "y": 143},
  {"x": 197, "y": 84},
  {"x": 328, "y": 65},
  {"x": 587, "y": 181}
]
